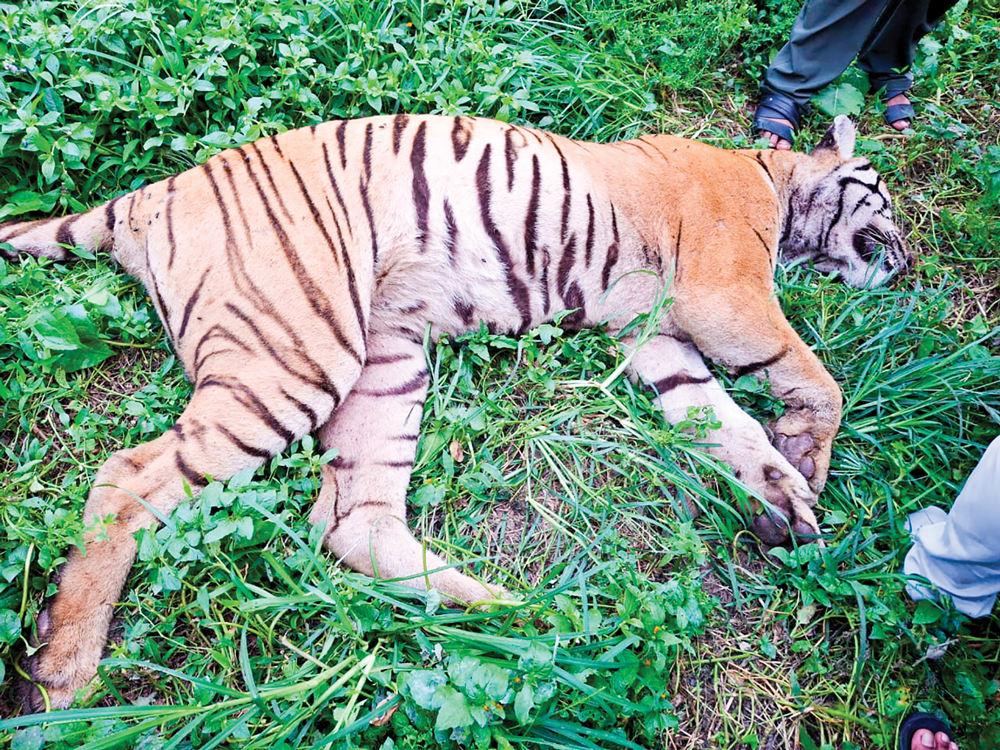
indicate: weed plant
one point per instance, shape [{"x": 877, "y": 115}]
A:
[{"x": 642, "y": 625}]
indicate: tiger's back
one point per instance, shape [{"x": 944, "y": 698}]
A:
[{"x": 296, "y": 278}]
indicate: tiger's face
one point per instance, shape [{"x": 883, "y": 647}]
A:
[{"x": 840, "y": 215}]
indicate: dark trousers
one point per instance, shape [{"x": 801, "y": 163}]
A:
[{"x": 828, "y": 35}]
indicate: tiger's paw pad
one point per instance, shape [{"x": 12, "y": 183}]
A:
[{"x": 800, "y": 450}]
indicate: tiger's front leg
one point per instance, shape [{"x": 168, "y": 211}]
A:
[
  {"x": 362, "y": 502},
  {"x": 675, "y": 370}
]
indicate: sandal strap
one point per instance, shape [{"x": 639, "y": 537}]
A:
[
  {"x": 781, "y": 129},
  {"x": 898, "y": 112},
  {"x": 781, "y": 106},
  {"x": 917, "y": 722}
]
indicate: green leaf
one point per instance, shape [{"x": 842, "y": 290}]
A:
[
  {"x": 927, "y": 612},
  {"x": 842, "y": 99},
  {"x": 523, "y": 703},
  {"x": 454, "y": 710},
  {"x": 10, "y": 626},
  {"x": 28, "y": 739},
  {"x": 423, "y": 687}
]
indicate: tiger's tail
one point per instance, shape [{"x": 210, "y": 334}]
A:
[{"x": 54, "y": 238}]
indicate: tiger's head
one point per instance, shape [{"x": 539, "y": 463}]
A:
[{"x": 839, "y": 214}]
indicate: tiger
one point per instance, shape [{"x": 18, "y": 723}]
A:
[{"x": 296, "y": 279}]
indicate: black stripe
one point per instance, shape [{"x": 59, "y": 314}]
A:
[
  {"x": 109, "y": 211},
  {"x": 460, "y": 137},
  {"x": 787, "y": 228},
  {"x": 404, "y": 438},
  {"x": 391, "y": 465},
  {"x": 532, "y": 132},
  {"x": 834, "y": 220},
  {"x": 412, "y": 385},
  {"x": 399, "y": 124},
  {"x": 274, "y": 142},
  {"x": 764, "y": 243},
  {"x": 336, "y": 189},
  {"x": 643, "y": 151},
  {"x": 611, "y": 257},
  {"x": 566, "y": 261},
  {"x": 589, "y": 247},
  {"x": 517, "y": 289},
  {"x": 465, "y": 311},
  {"x": 161, "y": 305},
  {"x": 317, "y": 219},
  {"x": 213, "y": 332},
  {"x": 387, "y": 359},
  {"x": 667, "y": 384},
  {"x": 368, "y": 152},
  {"x": 189, "y": 307},
  {"x": 760, "y": 161},
  {"x": 320, "y": 381},
  {"x": 754, "y": 366},
  {"x": 352, "y": 283},
  {"x": 451, "y": 238},
  {"x": 270, "y": 179},
  {"x": 531, "y": 218},
  {"x": 341, "y": 136},
  {"x": 248, "y": 449},
  {"x": 64, "y": 235},
  {"x": 171, "y": 240},
  {"x": 421, "y": 190},
  {"x": 544, "y": 280},
  {"x": 193, "y": 478},
  {"x": 845, "y": 181},
  {"x": 645, "y": 139},
  {"x": 414, "y": 308},
  {"x": 567, "y": 192},
  {"x": 249, "y": 400},
  {"x": 510, "y": 155},
  {"x": 573, "y": 298},
  {"x": 677, "y": 249},
  {"x": 303, "y": 407},
  {"x": 363, "y": 189}
]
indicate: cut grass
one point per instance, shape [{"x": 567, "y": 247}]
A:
[{"x": 638, "y": 624}]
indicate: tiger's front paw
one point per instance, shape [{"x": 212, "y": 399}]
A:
[
  {"x": 790, "y": 509},
  {"x": 63, "y": 666}
]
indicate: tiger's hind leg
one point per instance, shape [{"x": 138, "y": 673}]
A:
[
  {"x": 227, "y": 427},
  {"x": 362, "y": 502}
]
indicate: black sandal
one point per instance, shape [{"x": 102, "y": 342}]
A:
[
  {"x": 772, "y": 109},
  {"x": 897, "y": 112},
  {"x": 916, "y": 722}
]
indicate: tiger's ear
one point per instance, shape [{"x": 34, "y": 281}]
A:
[{"x": 840, "y": 137}]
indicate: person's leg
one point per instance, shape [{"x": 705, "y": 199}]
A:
[
  {"x": 888, "y": 57},
  {"x": 960, "y": 552},
  {"x": 825, "y": 38}
]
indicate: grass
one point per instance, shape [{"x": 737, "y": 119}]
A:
[{"x": 641, "y": 625}]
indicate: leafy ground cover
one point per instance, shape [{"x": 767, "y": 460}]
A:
[{"x": 641, "y": 627}]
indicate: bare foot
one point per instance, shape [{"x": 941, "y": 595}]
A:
[
  {"x": 779, "y": 143},
  {"x": 899, "y": 124},
  {"x": 925, "y": 739}
]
